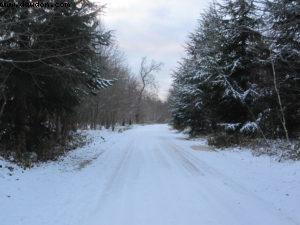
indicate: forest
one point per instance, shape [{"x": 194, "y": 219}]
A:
[
  {"x": 240, "y": 77},
  {"x": 140, "y": 112},
  {"x": 61, "y": 70}
]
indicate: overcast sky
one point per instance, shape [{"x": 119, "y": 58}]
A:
[{"x": 157, "y": 29}]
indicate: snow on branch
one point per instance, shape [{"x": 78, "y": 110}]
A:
[
  {"x": 249, "y": 127},
  {"x": 230, "y": 126}
]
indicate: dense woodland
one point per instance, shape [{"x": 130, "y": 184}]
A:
[
  {"x": 241, "y": 75},
  {"x": 60, "y": 70}
]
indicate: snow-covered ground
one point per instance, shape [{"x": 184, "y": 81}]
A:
[{"x": 151, "y": 175}]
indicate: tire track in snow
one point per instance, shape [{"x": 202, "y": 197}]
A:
[
  {"x": 150, "y": 179},
  {"x": 214, "y": 180}
]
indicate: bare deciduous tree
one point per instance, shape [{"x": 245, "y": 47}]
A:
[
  {"x": 283, "y": 120},
  {"x": 147, "y": 80}
]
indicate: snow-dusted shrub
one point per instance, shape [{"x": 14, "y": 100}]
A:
[
  {"x": 279, "y": 149},
  {"x": 230, "y": 127},
  {"x": 290, "y": 151},
  {"x": 222, "y": 140}
]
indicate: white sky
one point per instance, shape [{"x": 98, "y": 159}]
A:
[{"x": 157, "y": 29}]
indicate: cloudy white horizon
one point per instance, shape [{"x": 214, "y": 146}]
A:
[{"x": 156, "y": 29}]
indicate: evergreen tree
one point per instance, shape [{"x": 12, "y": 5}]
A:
[
  {"x": 195, "y": 94},
  {"x": 227, "y": 76},
  {"x": 226, "y": 52},
  {"x": 46, "y": 63},
  {"x": 243, "y": 53}
]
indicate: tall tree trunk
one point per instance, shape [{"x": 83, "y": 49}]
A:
[
  {"x": 283, "y": 120},
  {"x": 20, "y": 124}
]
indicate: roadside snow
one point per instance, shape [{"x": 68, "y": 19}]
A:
[
  {"x": 151, "y": 175},
  {"x": 55, "y": 192}
]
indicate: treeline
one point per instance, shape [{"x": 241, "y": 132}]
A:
[
  {"x": 56, "y": 67},
  {"x": 131, "y": 98},
  {"x": 241, "y": 74}
]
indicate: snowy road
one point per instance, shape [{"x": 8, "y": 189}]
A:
[{"x": 150, "y": 175}]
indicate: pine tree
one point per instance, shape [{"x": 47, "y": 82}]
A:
[
  {"x": 195, "y": 95},
  {"x": 241, "y": 73},
  {"x": 46, "y": 63},
  {"x": 243, "y": 55}
]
